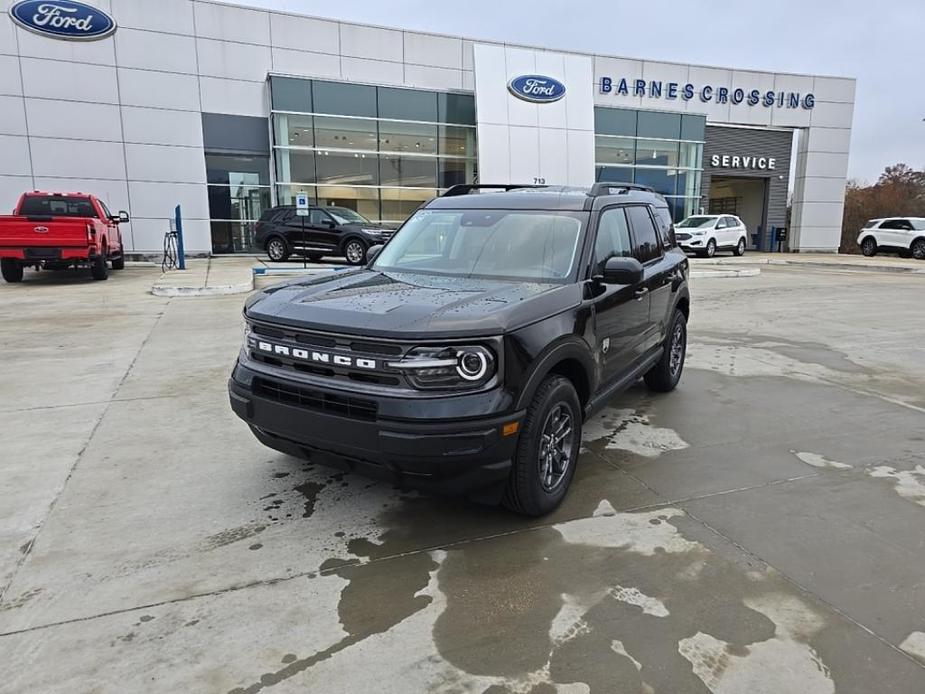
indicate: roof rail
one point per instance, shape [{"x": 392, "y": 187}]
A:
[
  {"x": 616, "y": 188},
  {"x": 466, "y": 188}
]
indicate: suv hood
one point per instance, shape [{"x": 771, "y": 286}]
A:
[{"x": 400, "y": 305}]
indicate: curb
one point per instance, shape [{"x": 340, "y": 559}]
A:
[
  {"x": 846, "y": 266},
  {"x": 744, "y": 272}
]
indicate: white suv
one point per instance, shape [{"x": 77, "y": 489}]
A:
[
  {"x": 704, "y": 234},
  {"x": 903, "y": 235}
]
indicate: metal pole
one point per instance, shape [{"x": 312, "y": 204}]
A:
[
  {"x": 181, "y": 255},
  {"x": 304, "y": 247}
]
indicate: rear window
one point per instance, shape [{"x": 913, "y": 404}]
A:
[
  {"x": 871, "y": 223},
  {"x": 57, "y": 206}
]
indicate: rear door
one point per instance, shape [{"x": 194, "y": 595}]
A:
[
  {"x": 324, "y": 231},
  {"x": 658, "y": 272},
  {"x": 621, "y": 312}
]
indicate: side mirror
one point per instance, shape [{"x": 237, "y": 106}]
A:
[
  {"x": 372, "y": 252},
  {"x": 330, "y": 223},
  {"x": 623, "y": 271},
  {"x": 123, "y": 217}
]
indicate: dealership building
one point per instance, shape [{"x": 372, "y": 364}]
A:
[{"x": 227, "y": 110}]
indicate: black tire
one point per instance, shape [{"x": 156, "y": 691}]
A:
[
  {"x": 529, "y": 491},
  {"x": 355, "y": 252},
  {"x": 739, "y": 250},
  {"x": 118, "y": 263},
  {"x": 710, "y": 250},
  {"x": 99, "y": 270},
  {"x": 918, "y": 249},
  {"x": 664, "y": 376},
  {"x": 315, "y": 257},
  {"x": 869, "y": 247},
  {"x": 277, "y": 249},
  {"x": 11, "y": 269}
]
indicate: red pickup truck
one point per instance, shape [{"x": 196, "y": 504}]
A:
[{"x": 60, "y": 230}]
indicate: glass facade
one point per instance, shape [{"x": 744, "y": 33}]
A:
[
  {"x": 239, "y": 192},
  {"x": 657, "y": 149},
  {"x": 381, "y": 151}
]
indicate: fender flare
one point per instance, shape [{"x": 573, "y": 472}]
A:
[{"x": 570, "y": 347}]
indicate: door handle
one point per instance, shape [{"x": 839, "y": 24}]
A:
[{"x": 641, "y": 292}]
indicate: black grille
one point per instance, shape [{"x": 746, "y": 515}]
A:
[
  {"x": 309, "y": 399},
  {"x": 681, "y": 236}
]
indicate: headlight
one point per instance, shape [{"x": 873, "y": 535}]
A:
[
  {"x": 466, "y": 366},
  {"x": 698, "y": 233},
  {"x": 247, "y": 334}
]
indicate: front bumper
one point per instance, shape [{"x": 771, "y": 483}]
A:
[{"x": 463, "y": 456}]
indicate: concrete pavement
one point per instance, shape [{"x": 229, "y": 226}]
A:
[{"x": 759, "y": 530}]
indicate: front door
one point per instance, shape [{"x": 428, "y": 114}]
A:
[{"x": 621, "y": 311}]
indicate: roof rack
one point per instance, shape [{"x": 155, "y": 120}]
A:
[
  {"x": 466, "y": 188},
  {"x": 616, "y": 188}
]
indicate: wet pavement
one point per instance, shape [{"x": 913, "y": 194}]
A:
[{"x": 760, "y": 530}]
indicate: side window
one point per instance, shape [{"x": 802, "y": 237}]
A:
[
  {"x": 317, "y": 217},
  {"x": 105, "y": 209},
  {"x": 613, "y": 238},
  {"x": 646, "y": 247},
  {"x": 905, "y": 225},
  {"x": 665, "y": 227},
  {"x": 731, "y": 222},
  {"x": 891, "y": 224},
  {"x": 721, "y": 223}
]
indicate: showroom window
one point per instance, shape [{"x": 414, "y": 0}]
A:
[
  {"x": 658, "y": 149},
  {"x": 381, "y": 151},
  {"x": 239, "y": 192}
]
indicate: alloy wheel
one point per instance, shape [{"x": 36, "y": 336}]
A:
[
  {"x": 275, "y": 249},
  {"x": 678, "y": 345},
  {"x": 556, "y": 447},
  {"x": 918, "y": 250},
  {"x": 354, "y": 252}
]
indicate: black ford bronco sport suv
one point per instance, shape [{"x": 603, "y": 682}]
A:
[{"x": 466, "y": 354}]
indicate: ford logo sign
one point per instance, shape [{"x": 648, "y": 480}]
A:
[
  {"x": 536, "y": 88},
  {"x": 63, "y": 19}
]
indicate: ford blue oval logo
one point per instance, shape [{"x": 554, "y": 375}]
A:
[
  {"x": 537, "y": 88},
  {"x": 63, "y": 19}
]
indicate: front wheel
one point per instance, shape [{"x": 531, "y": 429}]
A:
[
  {"x": 547, "y": 451},
  {"x": 11, "y": 269},
  {"x": 918, "y": 249},
  {"x": 869, "y": 247},
  {"x": 99, "y": 270},
  {"x": 664, "y": 376},
  {"x": 277, "y": 250},
  {"x": 119, "y": 263},
  {"x": 740, "y": 248},
  {"x": 355, "y": 252}
]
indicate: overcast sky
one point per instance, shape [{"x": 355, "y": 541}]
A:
[{"x": 879, "y": 42}]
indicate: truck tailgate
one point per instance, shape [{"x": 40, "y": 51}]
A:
[{"x": 38, "y": 232}]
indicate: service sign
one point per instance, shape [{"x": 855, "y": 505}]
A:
[
  {"x": 536, "y": 88},
  {"x": 63, "y": 19}
]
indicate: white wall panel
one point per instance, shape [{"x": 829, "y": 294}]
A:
[
  {"x": 831, "y": 115},
  {"x": 468, "y": 80},
  {"x": 748, "y": 80},
  {"x": 667, "y": 73},
  {"x": 554, "y": 115},
  {"x": 553, "y": 150},
  {"x": 97, "y": 52},
  {"x": 828, "y": 139},
  {"x": 173, "y": 16},
  {"x": 822, "y": 189},
  {"x": 292, "y": 62},
  {"x": 54, "y": 79},
  {"x": 159, "y": 89},
  {"x": 233, "y": 97},
  {"x": 157, "y": 200},
  {"x": 73, "y": 158},
  {"x": 525, "y": 154},
  {"x": 233, "y": 60},
  {"x": 152, "y": 51},
  {"x": 10, "y": 83},
  {"x": 370, "y": 42},
  {"x": 230, "y": 23},
  {"x": 11, "y": 187},
  {"x": 823, "y": 239},
  {"x": 12, "y": 116},
  {"x": 165, "y": 163},
  {"x": 494, "y": 153},
  {"x": 580, "y": 158},
  {"x": 491, "y": 84},
  {"x": 161, "y": 127},
  {"x": 432, "y": 77},
  {"x": 435, "y": 51},
  {"x": 826, "y": 164},
  {"x": 818, "y": 214},
  {"x": 375, "y": 71},
  {"x": 7, "y": 34},
  {"x": 834, "y": 89},
  {"x": 520, "y": 61},
  {"x": 15, "y": 159},
  {"x": 467, "y": 57},
  {"x": 113, "y": 193},
  {"x": 699, "y": 77},
  {"x": 305, "y": 33},
  {"x": 579, "y": 103},
  {"x": 616, "y": 69},
  {"x": 148, "y": 235},
  {"x": 74, "y": 119}
]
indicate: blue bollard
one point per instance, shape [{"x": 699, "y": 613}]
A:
[{"x": 181, "y": 256}]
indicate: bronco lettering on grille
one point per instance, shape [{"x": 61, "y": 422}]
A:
[{"x": 319, "y": 357}]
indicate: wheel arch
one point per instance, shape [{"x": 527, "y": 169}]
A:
[{"x": 570, "y": 358}]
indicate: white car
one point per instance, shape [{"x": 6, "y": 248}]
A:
[
  {"x": 903, "y": 235},
  {"x": 704, "y": 234}
]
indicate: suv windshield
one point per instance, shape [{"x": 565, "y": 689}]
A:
[
  {"x": 57, "y": 206},
  {"x": 344, "y": 215},
  {"x": 697, "y": 222},
  {"x": 496, "y": 244}
]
